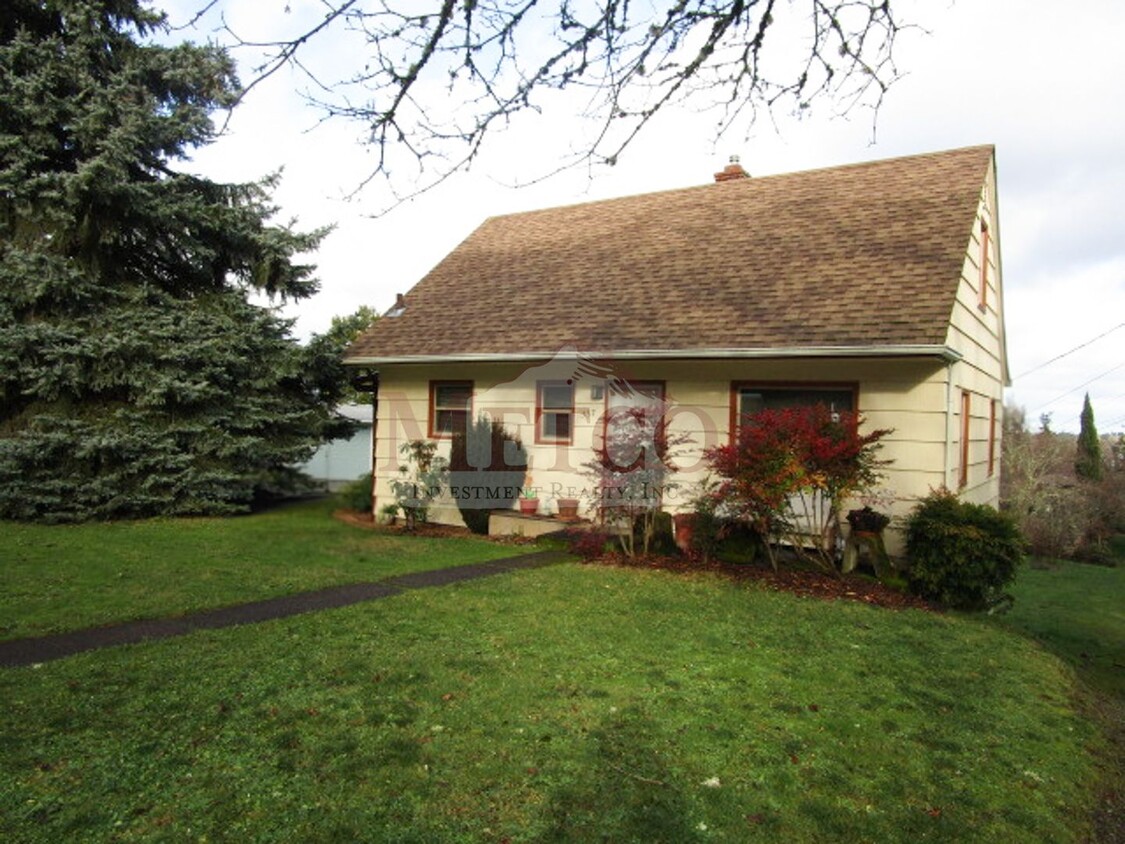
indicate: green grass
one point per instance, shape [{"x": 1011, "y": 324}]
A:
[
  {"x": 563, "y": 704},
  {"x": 67, "y": 577},
  {"x": 1077, "y": 611},
  {"x": 571, "y": 703}
]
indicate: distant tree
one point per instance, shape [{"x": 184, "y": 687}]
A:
[
  {"x": 1088, "y": 461},
  {"x": 431, "y": 79},
  {"x": 330, "y": 346},
  {"x": 136, "y": 377}
]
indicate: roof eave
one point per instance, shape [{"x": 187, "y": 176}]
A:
[{"x": 943, "y": 352}]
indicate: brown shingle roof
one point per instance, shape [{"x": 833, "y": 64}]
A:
[{"x": 863, "y": 255}]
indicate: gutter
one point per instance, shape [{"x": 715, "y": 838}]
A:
[{"x": 945, "y": 353}]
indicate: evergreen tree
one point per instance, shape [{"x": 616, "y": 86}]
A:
[
  {"x": 1088, "y": 462},
  {"x": 136, "y": 377}
]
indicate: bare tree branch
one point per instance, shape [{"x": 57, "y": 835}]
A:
[{"x": 432, "y": 79}]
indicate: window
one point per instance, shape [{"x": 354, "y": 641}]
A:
[
  {"x": 554, "y": 412},
  {"x": 634, "y": 414},
  {"x": 750, "y": 398},
  {"x": 451, "y": 403},
  {"x": 966, "y": 407},
  {"x": 625, "y": 397},
  {"x": 984, "y": 256},
  {"x": 992, "y": 439}
]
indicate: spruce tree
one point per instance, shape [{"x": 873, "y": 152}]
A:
[
  {"x": 136, "y": 377},
  {"x": 1088, "y": 461}
]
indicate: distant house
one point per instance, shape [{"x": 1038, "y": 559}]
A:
[
  {"x": 339, "y": 462},
  {"x": 874, "y": 287}
]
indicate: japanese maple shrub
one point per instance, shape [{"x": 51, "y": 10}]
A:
[
  {"x": 631, "y": 472},
  {"x": 789, "y": 471}
]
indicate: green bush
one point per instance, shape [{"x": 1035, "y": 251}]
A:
[
  {"x": 356, "y": 495},
  {"x": 739, "y": 543},
  {"x": 961, "y": 555},
  {"x": 663, "y": 539}
]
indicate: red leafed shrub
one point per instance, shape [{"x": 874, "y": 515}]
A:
[
  {"x": 588, "y": 544},
  {"x": 789, "y": 471}
]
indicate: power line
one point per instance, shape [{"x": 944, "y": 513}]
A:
[
  {"x": 1080, "y": 386},
  {"x": 1101, "y": 400},
  {"x": 1070, "y": 352}
]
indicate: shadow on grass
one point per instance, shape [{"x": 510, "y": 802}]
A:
[{"x": 625, "y": 789}]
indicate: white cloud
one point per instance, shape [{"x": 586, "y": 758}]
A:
[{"x": 1039, "y": 80}]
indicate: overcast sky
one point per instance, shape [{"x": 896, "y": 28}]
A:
[{"x": 1040, "y": 80}]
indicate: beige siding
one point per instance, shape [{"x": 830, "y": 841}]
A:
[
  {"x": 976, "y": 333},
  {"x": 907, "y": 395}
]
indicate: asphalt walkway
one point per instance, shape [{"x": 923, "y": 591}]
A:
[{"x": 31, "y": 651}]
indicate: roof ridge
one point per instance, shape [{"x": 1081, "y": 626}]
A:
[{"x": 751, "y": 179}]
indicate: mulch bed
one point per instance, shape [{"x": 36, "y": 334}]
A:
[{"x": 804, "y": 582}]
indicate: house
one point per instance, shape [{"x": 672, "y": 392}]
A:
[
  {"x": 873, "y": 286},
  {"x": 337, "y": 463}
]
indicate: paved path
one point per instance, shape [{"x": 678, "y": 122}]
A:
[{"x": 30, "y": 651}]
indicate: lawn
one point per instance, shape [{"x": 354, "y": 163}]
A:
[
  {"x": 56, "y": 578},
  {"x": 561, "y": 704}
]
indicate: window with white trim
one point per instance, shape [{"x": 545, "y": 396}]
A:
[
  {"x": 451, "y": 404},
  {"x": 554, "y": 412}
]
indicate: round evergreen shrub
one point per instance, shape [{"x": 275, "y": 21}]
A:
[
  {"x": 961, "y": 555},
  {"x": 487, "y": 466}
]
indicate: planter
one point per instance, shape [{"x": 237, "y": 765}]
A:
[
  {"x": 568, "y": 509},
  {"x": 867, "y": 543},
  {"x": 867, "y": 520},
  {"x": 529, "y": 506}
]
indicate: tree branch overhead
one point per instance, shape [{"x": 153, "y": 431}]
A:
[{"x": 431, "y": 80}]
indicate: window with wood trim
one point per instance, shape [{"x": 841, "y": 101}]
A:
[
  {"x": 992, "y": 420},
  {"x": 985, "y": 249},
  {"x": 554, "y": 412},
  {"x": 451, "y": 405},
  {"x": 634, "y": 412},
  {"x": 963, "y": 470}
]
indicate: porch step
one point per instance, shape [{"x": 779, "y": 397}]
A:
[{"x": 511, "y": 523}]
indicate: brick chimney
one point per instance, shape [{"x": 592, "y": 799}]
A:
[{"x": 732, "y": 171}]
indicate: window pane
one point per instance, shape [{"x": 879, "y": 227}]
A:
[
  {"x": 558, "y": 426},
  {"x": 752, "y": 400},
  {"x": 449, "y": 421},
  {"x": 453, "y": 395},
  {"x": 558, "y": 396}
]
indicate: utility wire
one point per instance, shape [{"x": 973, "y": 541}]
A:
[
  {"x": 1080, "y": 386},
  {"x": 1101, "y": 400},
  {"x": 1070, "y": 352}
]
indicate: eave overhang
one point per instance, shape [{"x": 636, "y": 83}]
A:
[{"x": 942, "y": 352}]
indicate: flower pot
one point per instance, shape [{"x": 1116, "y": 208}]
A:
[
  {"x": 529, "y": 506},
  {"x": 867, "y": 520},
  {"x": 568, "y": 508}
]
